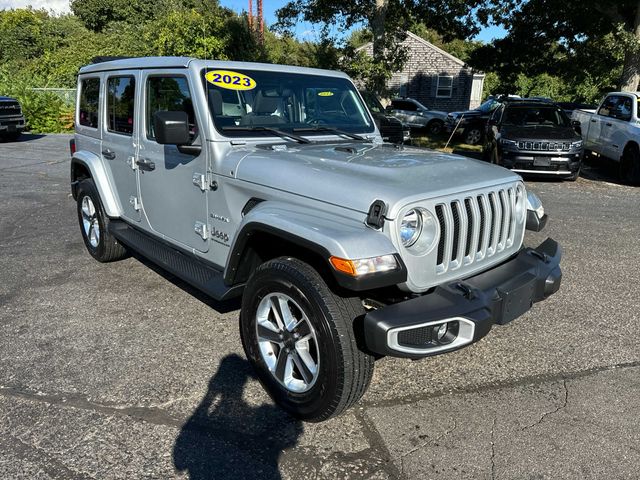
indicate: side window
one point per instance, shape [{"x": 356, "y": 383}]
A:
[
  {"x": 169, "y": 93},
  {"x": 445, "y": 86},
  {"x": 623, "y": 109},
  {"x": 89, "y": 102},
  {"x": 405, "y": 105},
  {"x": 609, "y": 106},
  {"x": 120, "y": 104}
]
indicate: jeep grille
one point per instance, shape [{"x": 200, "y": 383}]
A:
[
  {"x": 545, "y": 146},
  {"x": 475, "y": 228},
  {"x": 10, "y": 108}
]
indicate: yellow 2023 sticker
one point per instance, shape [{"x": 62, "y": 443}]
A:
[
  {"x": 325, "y": 94},
  {"x": 230, "y": 80}
]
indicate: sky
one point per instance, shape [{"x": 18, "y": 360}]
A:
[{"x": 304, "y": 31}]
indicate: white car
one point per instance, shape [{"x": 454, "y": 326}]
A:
[{"x": 411, "y": 112}]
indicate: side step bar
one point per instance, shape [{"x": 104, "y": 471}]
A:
[{"x": 180, "y": 263}]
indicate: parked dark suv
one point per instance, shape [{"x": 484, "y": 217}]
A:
[
  {"x": 11, "y": 119},
  {"x": 533, "y": 137},
  {"x": 470, "y": 125}
]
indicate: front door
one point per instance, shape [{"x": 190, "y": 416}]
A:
[
  {"x": 120, "y": 138},
  {"x": 173, "y": 198}
]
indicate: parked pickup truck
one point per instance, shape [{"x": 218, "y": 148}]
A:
[
  {"x": 11, "y": 119},
  {"x": 613, "y": 131}
]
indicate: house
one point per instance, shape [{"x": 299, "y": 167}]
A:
[{"x": 434, "y": 77}]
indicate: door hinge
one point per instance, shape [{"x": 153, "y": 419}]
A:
[
  {"x": 202, "y": 230},
  {"x": 134, "y": 203},
  {"x": 200, "y": 181}
]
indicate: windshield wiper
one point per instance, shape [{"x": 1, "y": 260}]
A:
[
  {"x": 260, "y": 128},
  {"x": 337, "y": 131}
]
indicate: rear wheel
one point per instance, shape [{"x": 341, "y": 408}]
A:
[
  {"x": 630, "y": 166},
  {"x": 299, "y": 337},
  {"x": 473, "y": 135},
  {"x": 93, "y": 224}
]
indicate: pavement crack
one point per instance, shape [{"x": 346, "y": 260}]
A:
[
  {"x": 554, "y": 411},
  {"x": 424, "y": 444},
  {"x": 493, "y": 450},
  {"x": 377, "y": 443}
]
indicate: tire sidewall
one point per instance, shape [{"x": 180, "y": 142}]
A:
[
  {"x": 86, "y": 188},
  {"x": 288, "y": 281},
  {"x": 435, "y": 127}
]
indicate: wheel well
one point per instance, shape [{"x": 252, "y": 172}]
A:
[
  {"x": 264, "y": 246},
  {"x": 79, "y": 171}
]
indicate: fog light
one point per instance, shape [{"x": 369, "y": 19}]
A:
[{"x": 445, "y": 333}]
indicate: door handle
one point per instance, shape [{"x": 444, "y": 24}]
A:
[
  {"x": 145, "y": 164},
  {"x": 593, "y": 120},
  {"x": 108, "y": 154},
  {"x": 608, "y": 124}
]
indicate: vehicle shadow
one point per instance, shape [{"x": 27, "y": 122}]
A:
[
  {"x": 226, "y": 438},
  {"x": 25, "y": 137}
]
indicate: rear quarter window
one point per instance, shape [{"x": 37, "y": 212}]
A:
[{"x": 88, "y": 108}]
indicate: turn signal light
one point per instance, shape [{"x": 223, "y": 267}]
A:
[{"x": 363, "y": 266}]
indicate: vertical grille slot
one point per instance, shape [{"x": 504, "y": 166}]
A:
[
  {"x": 443, "y": 234},
  {"x": 482, "y": 237},
  {"x": 456, "y": 230},
  {"x": 472, "y": 229}
]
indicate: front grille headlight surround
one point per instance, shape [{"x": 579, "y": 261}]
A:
[
  {"x": 418, "y": 231},
  {"x": 576, "y": 145}
]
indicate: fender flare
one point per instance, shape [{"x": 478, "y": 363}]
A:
[
  {"x": 322, "y": 233},
  {"x": 93, "y": 164}
]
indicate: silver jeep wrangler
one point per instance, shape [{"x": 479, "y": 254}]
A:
[{"x": 272, "y": 183}]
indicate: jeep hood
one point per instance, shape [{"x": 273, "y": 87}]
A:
[{"x": 353, "y": 175}]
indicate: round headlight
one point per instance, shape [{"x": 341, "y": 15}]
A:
[{"x": 410, "y": 227}]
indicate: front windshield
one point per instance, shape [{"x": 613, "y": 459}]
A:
[
  {"x": 257, "y": 101},
  {"x": 489, "y": 106},
  {"x": 538, "y": 116}
]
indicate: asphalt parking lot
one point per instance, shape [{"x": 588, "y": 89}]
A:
[{"x": 121, "y": 371}]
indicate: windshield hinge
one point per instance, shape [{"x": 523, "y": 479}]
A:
[{"x": 200, "y": 181}]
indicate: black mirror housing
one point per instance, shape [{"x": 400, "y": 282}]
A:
[{"x": 171, "y": 128}]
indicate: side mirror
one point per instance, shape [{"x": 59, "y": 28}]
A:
[
  {"x": 171, "y": 128},
  {"x": 388, "y": 109},
  {"x": 577, "y": 126}
]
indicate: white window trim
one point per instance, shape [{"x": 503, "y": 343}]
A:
[{"x": 450, "y": 87}]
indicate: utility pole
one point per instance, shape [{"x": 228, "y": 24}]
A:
[
  {"x": 251, "y": 15},
  {"x": 261, "y": 19}
]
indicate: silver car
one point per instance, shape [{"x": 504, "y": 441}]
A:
[
  {"x": 272, "y": 183},
  {"x": 411, "y": 112}
]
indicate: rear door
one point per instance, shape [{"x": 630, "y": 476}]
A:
[
  {"x": 614, "y": 130},
  {"x": 172, "y": 185},
  {"x": 120, "y": 138},
  {"x": 595, "y": 140}
]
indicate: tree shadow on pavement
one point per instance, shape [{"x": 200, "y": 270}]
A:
[{"x": 226, "y": 438}]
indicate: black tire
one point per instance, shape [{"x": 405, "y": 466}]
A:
[
  {"x": 343, "y": 371},
  {"x": 574, "y": 176},
  {"x": 473, "y": 135},
  {"x": 435, "y": 127},
  {"x": 104, "y": 247},
  {"x": 630, "y": 166}
]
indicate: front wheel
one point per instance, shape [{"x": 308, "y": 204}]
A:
[
  {"x": 435, "y": 127},
  {"x": 299, "y": 337}
]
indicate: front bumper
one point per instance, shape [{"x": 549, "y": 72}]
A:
[
  {"x": 12, "y": 124},
  {"x": 541, "y": 162},
  {"x": 496, "y": 296}
]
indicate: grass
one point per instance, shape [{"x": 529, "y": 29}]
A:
[{"x": 438, "y": 142}]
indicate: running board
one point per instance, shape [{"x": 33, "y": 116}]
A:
[{"x": 180, "y": 263}]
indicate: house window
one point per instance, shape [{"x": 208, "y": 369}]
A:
[{"x": 445, "y": 85}]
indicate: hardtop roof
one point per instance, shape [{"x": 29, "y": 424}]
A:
[{"x": 139, "y": 63}]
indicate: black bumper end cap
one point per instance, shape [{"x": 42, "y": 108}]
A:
[{"x": 534, "y": 223}]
